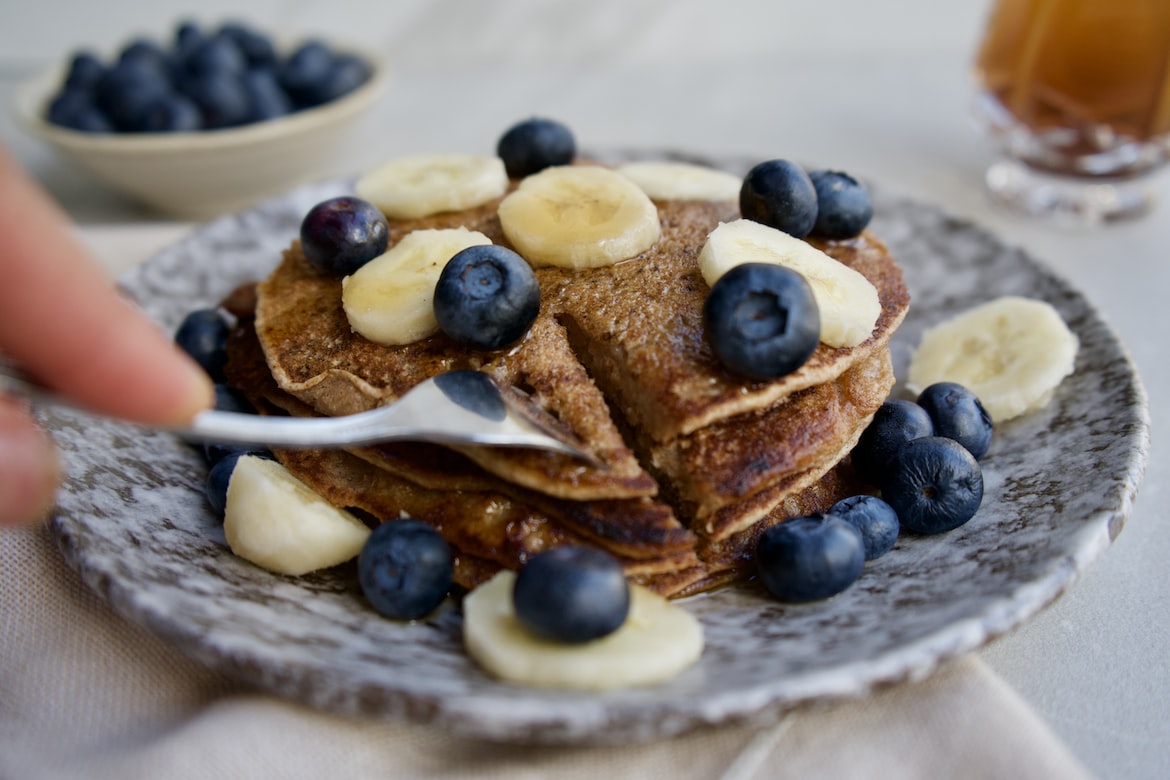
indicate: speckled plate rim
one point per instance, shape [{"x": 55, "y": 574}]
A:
[{"x": 136, "y": 528}]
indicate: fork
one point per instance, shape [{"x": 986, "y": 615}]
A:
[{"x": 455, "y": 408}]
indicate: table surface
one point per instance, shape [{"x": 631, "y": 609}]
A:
[{"x": 879, "y": 89}]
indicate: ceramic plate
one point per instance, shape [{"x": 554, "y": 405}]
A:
[{"x": 1059, "y": 484}]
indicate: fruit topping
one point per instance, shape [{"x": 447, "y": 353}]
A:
[
  {"x": 958, "y": 414},
  {"x": 762, "y": 320},
  {"x": 405, "y": 569},
  {"x": 530, "y": 146},
  {"x": 873, "y": 518},
  {"x": 1011, "y": 352},
  {"x": 847, "y": 301},
  {"x": 779, "y": 194},
  {"x": 390, "y": 300},
  {"x": 809, "y": 558},
  {"x": 681, "y": 181},
  {"x": 486, "y": 297},
  {"x": 844, "y": 207},
  {"x": 657, "y": 641},
  {"x": 571, "y": 594},
  {"x": 579, "y": 217},
  {"x": 203, "y": 80},
  {"x": 934, "y": 484},
  {"x": 203, "y": 335},
  {"x": 277, "y": 522},
  {"x": 420, "y": 185},
  {"x": 340, "y": 235},
  {"x": 896, "y": 422}
]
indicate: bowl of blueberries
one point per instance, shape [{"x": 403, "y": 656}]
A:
[{"x": 205, "y": 122}]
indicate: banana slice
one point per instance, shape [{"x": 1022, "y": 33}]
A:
[
  {"x": 848, "y": 302},
  {"x": 390, "y": 300},
  {"x": 682, "y": 181},
  {"x": 578, "y": 216},
  {"x": 658, "y": 640},
  {"x": 1012, "y": 352},
  {"x": 420, "y": 185},
  {"x": 277, "y": 522}
]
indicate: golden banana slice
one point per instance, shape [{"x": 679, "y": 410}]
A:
[
  {"x": 848, "y": 302},
  {"x": 579, "y": 216},
  {"x": 658, "y": 640},
  {"x": 420, "y": 185},
  {"x": 390, "y": 300},
  {"x": 682, "y": 181},
  {"x": 277, "y": 522},
  {"x": 1012, "y": 352}
]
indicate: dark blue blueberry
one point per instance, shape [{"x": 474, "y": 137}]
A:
[
  {"x": 85, "y": 71},
  {"x": 221, "y": 98},
  {"x": 844, "y": 207},
  {"x": 173, "y": 113},
  {"x": 267, "y": 100},
  {"x": 895, "y": 423},
  {"x": 873, "y": 518},
  {"x": 216, "y": 54},
  {"x": 188, "y": 35},
  {"x": 809, "y": 558},
  {"x": 571, "y": 594},
  {"x": 958, "y": 414},
  {"x": 203, "y": 335},
  {"x": 486, "y": 297},
  {"x": 763, "y": 320},
  {"x": 146, "y": 52},
  {"x": 405, "y": 569},
  {"x": 349, "y": 72},
  {"x": 934, "y": 485},
  {"x": 535, "y": 144},
  {"x": 256, "y": 47},
  {"x": 228, "y": 399},
  {"x": 779, "y": 194},
  {"x": 127, "y": 91},
  {"x": 306, "y": 71},
  {"x": 75, "y": 109},
  {"x": 340, "y": 235}
]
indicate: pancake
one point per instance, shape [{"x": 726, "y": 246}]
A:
[{"x": 613, "y": 349}]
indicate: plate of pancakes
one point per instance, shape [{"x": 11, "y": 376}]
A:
[{"x": 694, "y": 464}]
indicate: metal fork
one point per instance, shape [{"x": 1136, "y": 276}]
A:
[{"x": 458, "y": 407}]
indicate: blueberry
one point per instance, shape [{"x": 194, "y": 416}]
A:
[
  {"x": 762, "y": 319},
  {"x": 228, "y": 399},
  {"x": 265, "y": 97},
  {"x": 305, "y": 72},
  {"x": 895, "y": 423},
  {"x": 203, "y": 335},
  {"x": 216, "y": 54},
  {"x": 348, "y": 73},
  {"x": 340, "y": 235},
  {"x": 779, "y": 194},
  {"x": 74, "y": 108},
  {"x": 172, "y": 113},
  {"x": 221, "y": 98},
  {"x": 535, "y": 144},
  {"x": 809, "y": 558},
  {"x": 85, "y": 71},
  {"x": 405, "y": 569},
  {"x": 486, "y": 297},
  {"x": 873, "y": 518},
  {"x": 256, "y": 47},
  {"x": 934, "y": 485},
  {"x": 188, "y": 35},
  {"x": 571, "y": 594},
  {"x": 128, "y": 89},
  {"x": 844, "y": 207},
  {"x": 958, "y": 414}
]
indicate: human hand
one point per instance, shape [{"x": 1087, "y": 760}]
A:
[{"x": 63, "y": 322}]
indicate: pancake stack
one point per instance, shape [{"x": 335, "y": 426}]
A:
[{"x": 694, "y": 462}]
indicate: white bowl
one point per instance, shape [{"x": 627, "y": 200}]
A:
[{"x": 198, "y": 175}]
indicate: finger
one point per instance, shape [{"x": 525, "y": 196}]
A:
[
  {"x": 29, "y": 468},
  {"x": 63, "y": 321}
]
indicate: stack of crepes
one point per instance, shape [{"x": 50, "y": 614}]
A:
[{"x": 694, "y": 462}]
